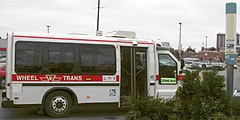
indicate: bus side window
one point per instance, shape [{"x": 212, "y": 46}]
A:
[
  {"x": 167, "y": 69},
  {"x": 98, "y": 59},
  {"x": 61, "y": 58},
  {"x": 28, "y": 57}
]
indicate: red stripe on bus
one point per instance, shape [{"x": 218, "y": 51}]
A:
[
  {"x": 144, "y": 43},
  {"x": 56, "y": 38},
  {"x": 3, "y": 49},
  {"x": 63, "y": 78}
]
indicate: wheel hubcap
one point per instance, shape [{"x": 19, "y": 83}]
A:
[{"x": 59, "y": 104}]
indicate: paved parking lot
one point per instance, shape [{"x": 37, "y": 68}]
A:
[{"x": 80, "y": 114}]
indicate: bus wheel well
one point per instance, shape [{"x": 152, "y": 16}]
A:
[{"x": 65, "y": 89}]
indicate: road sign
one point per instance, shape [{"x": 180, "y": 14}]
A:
[
  {"x": 230, "y": 47},
  {"x": 230, "y": 59}
]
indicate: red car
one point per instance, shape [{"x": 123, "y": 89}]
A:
[{"x": 2, "y": 75}]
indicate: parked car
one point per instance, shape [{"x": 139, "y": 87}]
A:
[
  {"x": 2, "y": 75},
  {"x": 218, "y": 65},
  {"x": 189, "y": 64},
  {"x": 206, "y": 65},
  {"x": 234, "y": 66},
  {"x": 3, "y": 60},
  {"x": 2, "y": 56}
]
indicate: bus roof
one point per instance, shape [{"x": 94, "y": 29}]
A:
[{"x": 81, "y": 38}]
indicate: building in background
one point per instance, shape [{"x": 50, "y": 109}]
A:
[
  {"x": 220, "y": 44},
  {"x": 213, "y": 56},
  {"x": 202, "y": 46}
]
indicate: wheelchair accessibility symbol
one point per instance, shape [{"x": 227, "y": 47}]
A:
[{"x": 112, "y": 92}]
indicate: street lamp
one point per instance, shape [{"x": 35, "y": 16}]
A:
[
  {"x": 180, "y": 44},
  {"x": 206, "y": 54},
  {"x": 98, "y": 14},
  {"x": 48, "y": 27},
  {"x": 206, "y": 42},
  {"x": 98, "y": 32}
]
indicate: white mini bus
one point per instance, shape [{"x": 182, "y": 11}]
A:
[{"x": 58, "y": 72}]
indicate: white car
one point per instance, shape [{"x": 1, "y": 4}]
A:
[
  {"x": 205, "y": 65},
  {"x": 3, "y": 60},
  {"x": 188, "y": 64},
  {"x": 234, "y": 66}
]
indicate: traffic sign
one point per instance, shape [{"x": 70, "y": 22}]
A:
[{"x": 230, "y": 59}]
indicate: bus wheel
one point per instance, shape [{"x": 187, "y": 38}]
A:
[
  {"x": 58, "y": 104},
  {"x": 203, "y": 66}
]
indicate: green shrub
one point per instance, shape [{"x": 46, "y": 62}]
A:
[
  {"x": 187, "y": 96},
  {"x": 219, "y": 116},
  {"x": 236, "y": 108},
  {"x": 147, "y": 108},
  {"x": 215, "y": 96},
  {"x": 200, "y": 98}
]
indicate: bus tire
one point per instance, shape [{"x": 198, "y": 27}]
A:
[
  {"x": 58, "y": 104},
  {"x": 204, "y": 66}
]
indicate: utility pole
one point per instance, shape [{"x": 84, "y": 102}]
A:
[{"x": 180, "y": 42}]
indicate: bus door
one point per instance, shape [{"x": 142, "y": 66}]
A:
[{"x": 133, "y": 71}]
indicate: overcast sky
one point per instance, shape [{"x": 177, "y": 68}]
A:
[{"x": 156, "y": 19}]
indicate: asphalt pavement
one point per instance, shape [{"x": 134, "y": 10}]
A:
[{"x": 79, "y": 114}]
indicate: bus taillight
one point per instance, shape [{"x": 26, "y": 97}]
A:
[{"x": 180, "y": 77}]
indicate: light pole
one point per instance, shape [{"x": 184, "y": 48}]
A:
[
  {"x": 206, "y": 42},
  {"x": 48, "y": 28},
  {"x": 180, "y": 42},
  {"x": 206, "y": 50},
  {"x": 98, "y": 32},
  {"x": 98, "y": 14}
]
